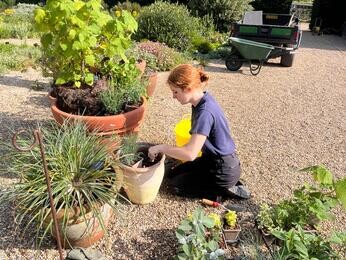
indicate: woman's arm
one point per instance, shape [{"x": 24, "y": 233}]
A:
[{"x": 187, "y": 152}]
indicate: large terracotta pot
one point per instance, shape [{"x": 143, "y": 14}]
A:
[
  {"x": 106, "y": 125},
  {"x": 82, "y": 231},
  {"x": 151, "y": 84},
  {"x": 142, "y": 184}
]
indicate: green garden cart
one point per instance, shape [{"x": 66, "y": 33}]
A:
[{"x": 256, "y": 53}]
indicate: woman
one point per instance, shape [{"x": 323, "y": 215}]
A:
[{"x": 217, "y": 171}]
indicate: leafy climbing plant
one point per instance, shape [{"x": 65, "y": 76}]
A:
[
  {"x": 309, "y": 205},
  {"x": 80, "y": 37}
]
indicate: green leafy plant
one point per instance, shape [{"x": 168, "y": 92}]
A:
[
  {"x": 198, "y": 236},
  {"x": 309, "y": 205},
  {"x": 79, "y": 166},
  {"x": 133, "y": 8},
  {"x": 300, "y": 244},
  {"x": 79, "y": 38}
]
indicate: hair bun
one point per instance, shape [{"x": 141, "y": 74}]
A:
[{"x": 203, "y": 76}]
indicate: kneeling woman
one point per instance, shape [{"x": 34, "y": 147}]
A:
[{"x": 217, "y": 171}]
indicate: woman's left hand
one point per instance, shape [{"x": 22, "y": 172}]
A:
[{"x": 154, "y": 151}]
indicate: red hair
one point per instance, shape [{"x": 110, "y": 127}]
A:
[{"x": 186, "y": 76}]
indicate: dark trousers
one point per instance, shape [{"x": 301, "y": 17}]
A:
[{"x": 206, "y": 177}]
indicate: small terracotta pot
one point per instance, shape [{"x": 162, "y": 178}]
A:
[
  {"x": 152, "y": 84},
  {"x": 141, "y": 66},
  {"x": 231, "y": 235},
  {"x": 106, "y": 125}
]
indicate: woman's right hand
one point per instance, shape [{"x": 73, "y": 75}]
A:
[{"x": 154, "y": 151}]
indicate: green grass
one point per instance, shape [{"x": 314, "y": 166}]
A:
[{"x": 18, "y": 57}]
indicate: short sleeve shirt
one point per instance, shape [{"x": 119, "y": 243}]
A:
[{"x": 208, "y": 119}]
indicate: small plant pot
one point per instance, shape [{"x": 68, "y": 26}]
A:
[
  {"x": 152, "y": 80},
  {"x": 231, "y": 234}
]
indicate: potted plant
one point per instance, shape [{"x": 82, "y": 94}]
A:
[
  {"x": 199, "y": 237},
  {"x": 142, "y": 177},
  {"x": 84, "y": 50},
  {"x": 84, "y": 185},
  {"x": 231, "y": 228}
]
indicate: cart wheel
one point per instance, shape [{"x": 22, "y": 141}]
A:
[
  {"x": 233, "y": 63},
  {"x": 287, "y": 60}
]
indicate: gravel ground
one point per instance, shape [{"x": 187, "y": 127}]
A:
[{"x": 282, "y": 120}]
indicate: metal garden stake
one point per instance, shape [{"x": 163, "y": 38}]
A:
[{"x": 38, "y": 141}]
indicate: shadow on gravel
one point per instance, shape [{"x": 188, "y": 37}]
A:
[
  {"x": 18, "y": 81},
  {"x": 40, "y": 100},
  {"x": 14, "y": 236}
]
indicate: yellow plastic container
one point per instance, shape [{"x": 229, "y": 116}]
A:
[{"x": 182, "y": 131}]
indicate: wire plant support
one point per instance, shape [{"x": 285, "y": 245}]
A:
[{"x": 38, "y": 141}]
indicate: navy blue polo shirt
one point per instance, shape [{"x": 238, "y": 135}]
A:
[{"x": 208, "y": 119}]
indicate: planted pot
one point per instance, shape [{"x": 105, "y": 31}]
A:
[
  {"x": 142, "y": 181},
  {"x": 152, "y": 80},
  {"x": 106, "y": 125},
  {"x": 82, "y": 231},
  {"x": 231, "y": 234},
  {"x": 51, "y": 97}
]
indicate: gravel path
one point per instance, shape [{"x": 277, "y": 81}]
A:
[{"x": 282, "y": 120}]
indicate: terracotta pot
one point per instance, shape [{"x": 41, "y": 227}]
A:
[
  {"x": 141, "y": 66},
  {"x": 142, "y": 184},
  {"x": 106, "y": 125},
  {"x": 152, "y": 84},
  {"x": 231, "y": 235},
  {"x": 82, "y": 231}
]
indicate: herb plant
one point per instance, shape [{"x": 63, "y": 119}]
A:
[
  {"x": 129, "y": 150},
  {"x": 198, "y": 236}
]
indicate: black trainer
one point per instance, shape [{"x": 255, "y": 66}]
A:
[{"x": 239, "y": 191}]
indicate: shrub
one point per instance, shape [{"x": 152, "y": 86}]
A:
[
  {"x": 168, "y": 23},
  {"x": 165, "y": 58},
  {"x": 223, "y": 12},
  {"x": 202, "y": 45},
  {"x": 272, "y": 6}
]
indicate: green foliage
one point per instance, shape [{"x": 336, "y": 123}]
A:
[
  {"x": 129, "y": 150},
  {"x": 332, "y": 13},
  {"x": 198, "y": 236},
  {"x": 7, "y": 3},
  {"x": 300, "y": 244},
  {"x": 18, "y": 57},
  {"x": 309, "y": 204},
  {"x": 223, "y": 12},
  {"x": 272, "y": 6},
  {"x": 79, "y": 166},
  {"x": 202, "y": 45},
  {"x": 79, "y": 37},
  {"x": 168, "y": 23}
]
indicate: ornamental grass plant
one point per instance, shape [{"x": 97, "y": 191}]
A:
[{"x": 82, "y": 178}]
